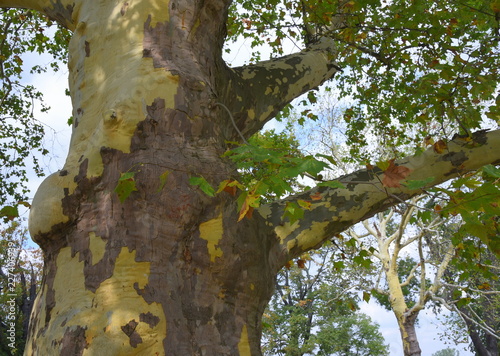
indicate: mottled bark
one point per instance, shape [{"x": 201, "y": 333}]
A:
[
  {"x": 169, "y": 271},
  {"x": 335, "y": 209},
  {"x": 411, "y": 346}
]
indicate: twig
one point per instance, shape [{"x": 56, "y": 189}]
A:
[{"x": 234, "y": 123}]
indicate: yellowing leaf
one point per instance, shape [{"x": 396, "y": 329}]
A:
[
  {"x": 384, "y": 165},
  {"x": 440, "y": 146},
  {"x": 229, "y": 186},
  {"x": 249, "y": 203},
  {"x": 428, "y": 141},
  {"x": 304, "y": 204},
  {"x": 9, "y": 212},
  {"x": 316, "y": 196}
]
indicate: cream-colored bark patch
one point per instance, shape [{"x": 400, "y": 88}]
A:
[
  {"x": 212, "y": 231},
  {"x": 111, "y": 85},
  {"x": 97, "y": 247},
  {"x": 105, "y": 312},
  {"x": 283, "y": 231},
  {"x": 46, "y": 209},
  {"x": 244, "y": 344},
  {"x": 312, "y": 236}
]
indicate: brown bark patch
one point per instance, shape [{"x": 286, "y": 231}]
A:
[
  {"x": 156, "y": 44},
  {"x": 59, "y": 13},
  {"x": 124, "y": 8},
  {"x": 129, "y": 330},
  {"x": 87, "y": 49},
  {"x": 456, "y": 159},
  {"x": 74, "y": 342},
  {"x": 149, "y": 318}
]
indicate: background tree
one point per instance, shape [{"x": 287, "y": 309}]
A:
[
  {"x": 20, "y": 277},
  {"x": 134, "y": 211},
  {"x": 446, "y": 352},
  {"x": 21, "y": 134},
  {"x": 472, "y": 295},
  {"x": 313, "y": 312}
]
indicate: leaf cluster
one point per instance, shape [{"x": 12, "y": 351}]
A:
[
  {"x": 20, "y": 277},
  {"x": 270, "y": 166},
  {"x": 313, "y": 313},
  {"x": 21, "y": 135}
]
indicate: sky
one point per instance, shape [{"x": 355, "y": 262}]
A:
[{"x": 57, "y": 142}]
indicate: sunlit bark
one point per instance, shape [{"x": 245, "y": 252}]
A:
[{"x": 170, "y": 271}]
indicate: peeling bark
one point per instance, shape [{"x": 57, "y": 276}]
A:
[
  {"x": 411, "y": 346},
  {"x": 365, "y": 196},
  {"x": 169, "y": 271}
]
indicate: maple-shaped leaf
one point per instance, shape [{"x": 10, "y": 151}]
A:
[
  {"x": 394, "y": 175},
  {"x": 125, "y": 186}
]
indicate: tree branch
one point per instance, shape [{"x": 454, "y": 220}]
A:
[
  {"x": 453, "y": 308},
  {"x": 335, "y": 209},
  {"x": 256, "y": 93},
  {"x": 60, "y": 11}
]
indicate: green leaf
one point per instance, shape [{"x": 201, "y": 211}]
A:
[
  {"x": 202, "y": 183},
  {"x": 418, "y": 184},
  {"x": 491, "y": 171},
  {"x": 293, "y": 212},
  {"x": 126, "y": 185},
  {"x": 9, "y": 213},
  {"x": 366, "y": 296},
  {"x": 328, "y": 158},
  {"x": 362, "y": 260}
]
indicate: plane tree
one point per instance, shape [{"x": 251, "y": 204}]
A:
[
  {"x": 20, "y": 278},
  {"x": 314, "y": 311},
  {"x": 143, "y": 253}
]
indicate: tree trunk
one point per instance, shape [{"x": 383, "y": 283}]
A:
[
  {"x": 405, "y": 316},
  {"x": 169, "y": 271},
  {"x": 411, "y": 346},
  {"x": 166, "y": 272}
]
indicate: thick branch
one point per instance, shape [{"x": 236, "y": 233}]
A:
[
  {"x": 334, "y": 210},
  {"x": 60, "y": 11},
  {"x": 258, "y": 92}
]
